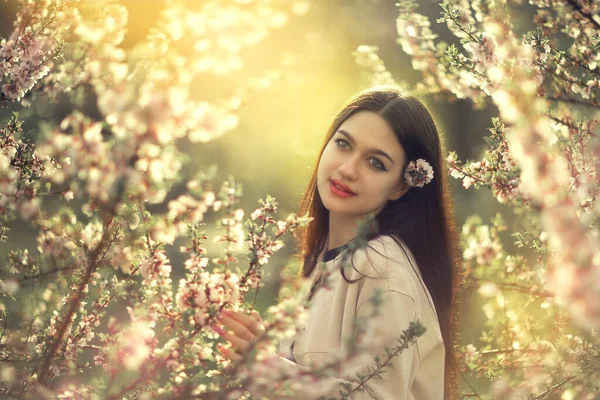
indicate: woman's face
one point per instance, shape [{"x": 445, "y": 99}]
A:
[{"x": 360, "y": 169}]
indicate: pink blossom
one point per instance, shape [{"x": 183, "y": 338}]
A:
[{"x": 256, "y": 213}]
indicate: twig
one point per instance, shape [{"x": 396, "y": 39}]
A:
[
  {"x": 46, "y": 273},
  {"x": 44, "y": 370},
  {"x": 579, "y": 63},
  {"x": 554, "y": 387},
  {"x": 461, "y": 27},
  {"x": 407, "y": 340},
  {"x": 588, "y": 16},
  {"x": 572, "y": 100}
]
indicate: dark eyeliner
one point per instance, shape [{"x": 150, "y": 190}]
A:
[
  {"x": 339, "y": 140},
  {"x": 381, "y": 166}
]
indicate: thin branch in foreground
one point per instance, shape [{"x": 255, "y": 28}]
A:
[
  {"x": 27, "y": 278},
  {"x": 44, "y": 371}
]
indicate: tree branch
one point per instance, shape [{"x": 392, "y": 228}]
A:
[
  {"x": 43, "y": 374},
  {"x": 46, "y": 273},
  {"x": 575, "y": 5}
]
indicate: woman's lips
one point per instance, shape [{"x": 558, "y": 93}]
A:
[{"x": 339, "y": 191}]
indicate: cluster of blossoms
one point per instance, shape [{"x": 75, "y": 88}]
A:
[
  {"x": 160, "y": 99},
  {"x": 80, "y": 152},
  {"x": 135, "y": 346},
  {"x": 371, "y": 64},
  {"x": 497, "y": 170},
  {"x": 418, "y": 40},
  {"x": 24, "y": 62},
  {"x": 232, "y": 232},
  {"x": 30, "y": 59},
  {"x": 21, "y": 166},
  {"x": 156, "y": 270},
  {"x": 262, "y": 244},
  {"x": 207, "y": 292},
  {"x": 202, "y": 294},
  {"x": 221, "y": 31}
]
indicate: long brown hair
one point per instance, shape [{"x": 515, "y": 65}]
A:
[{"x": 422, "y": 218}]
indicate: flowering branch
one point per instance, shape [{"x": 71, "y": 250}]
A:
[
  {"x": 586, "y": 14},
  {"x": 44, "y": 370},
  {"x": 406, "y": 339}
]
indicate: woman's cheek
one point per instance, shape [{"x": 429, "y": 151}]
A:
[{"x": 324, "y": 166}]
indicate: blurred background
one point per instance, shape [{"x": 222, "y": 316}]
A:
[{"x": 273, "y": 149}]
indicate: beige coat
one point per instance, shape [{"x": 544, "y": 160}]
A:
[{"x": 417, "y": 373}]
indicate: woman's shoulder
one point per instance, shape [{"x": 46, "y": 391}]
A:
[
  {"x": 385, "y": 257},
  {"x": 387, "y": 264}
]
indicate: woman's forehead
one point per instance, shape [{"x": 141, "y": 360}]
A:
[{"x": 371, "y": 130}]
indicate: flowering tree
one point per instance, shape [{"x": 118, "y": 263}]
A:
[{"x": 541, "y": 305}]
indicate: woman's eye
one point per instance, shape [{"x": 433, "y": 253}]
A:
[
  {"x": 378, "y": 164},
  {"x": 342, "y": 143}
]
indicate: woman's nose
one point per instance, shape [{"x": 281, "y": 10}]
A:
[{"x": 349, "y": 169}]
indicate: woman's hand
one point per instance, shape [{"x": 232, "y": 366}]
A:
[{"x": 243, "y": 328}]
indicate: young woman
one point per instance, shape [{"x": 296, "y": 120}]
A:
[{"x": 383, "y": 161}]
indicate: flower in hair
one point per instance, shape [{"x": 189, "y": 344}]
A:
[{"x": 418, "y": 173}]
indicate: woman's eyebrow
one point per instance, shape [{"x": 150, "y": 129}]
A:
[{"x": 371, "y": 150}]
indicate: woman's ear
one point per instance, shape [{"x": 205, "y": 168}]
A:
[{"x": 400, "y": 190}]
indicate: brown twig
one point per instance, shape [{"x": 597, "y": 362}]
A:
[
  {"x": 575, "y": 5},
  {"x": 46, "y": 273},
  {"x": 567, "y": 99},
  {"x": 556, "y": 386},
  {"x": 44, "y": 370}
]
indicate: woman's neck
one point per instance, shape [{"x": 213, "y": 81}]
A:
[{"x": 342, "y": 229}]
